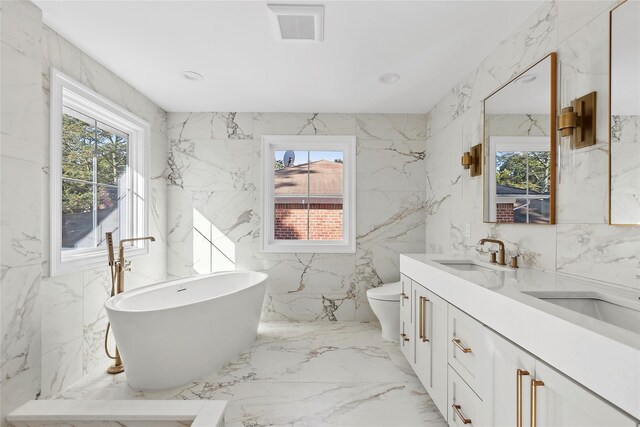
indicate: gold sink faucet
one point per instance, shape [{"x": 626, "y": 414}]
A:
[
  {"x": 118, "y": 267},
  {"x": 501, "y": 253}
]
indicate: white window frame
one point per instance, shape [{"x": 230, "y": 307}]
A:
[
  {"x": 67, "y": 92},
  {"x": 510, "y": 143},
  {"x": 344, "y": 143}
]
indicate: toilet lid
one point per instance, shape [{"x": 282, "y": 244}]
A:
[{"x": 388, "y": 292}]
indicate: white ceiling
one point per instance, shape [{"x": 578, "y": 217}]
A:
[{"x": 430, "y": 44}]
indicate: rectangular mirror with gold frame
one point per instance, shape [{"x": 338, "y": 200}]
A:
[
  {"x": 624, "y": 115},
  {"x": 519, "y": 148}
]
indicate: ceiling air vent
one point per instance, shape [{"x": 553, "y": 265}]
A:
[{"x": 298, "y": 22}]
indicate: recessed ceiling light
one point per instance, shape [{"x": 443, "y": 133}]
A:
[
  {"x": 388, "y": 78},
  {"x": 192, "y": 76}
]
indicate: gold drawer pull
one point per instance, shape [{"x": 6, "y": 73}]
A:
[
  {"x": 458, "y": 344},
  {"x": 404, "y": 296},
  {"x": 458, "y": 410},
  {"x": 404, "y": 337},
  {"x": 534, "y": 404},
  {"x": 421, "y": 319},
  {"x": 519, "y": 374},
  {"x": 423, "y": 305}
]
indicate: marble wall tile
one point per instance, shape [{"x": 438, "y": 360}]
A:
[
  {"x": 21, "y": 121},
  {"x": 20, "y": 213},
  {"x": 390, "y": 165},
  {"x": 393, "y": 127},
  {"x": 213, "y": 165},
  {"x": 599, "y": 251},
  {"x": 581, "y": 243},
  {"x": 303, "y": 124},
  {"x": 302, "y": 307},
  {"x": 61, "y": 367},
  {"x": 62, "y": 310},
  {"x": 575, "y": 15},
  {"x": 219, "y": 126},
  {"x": 58, "y": 53},
  {"x": 583, "y": 67},
  {"x": 307, "y": 273},
  {"x": 387, "y": 224},
  {"x": 20, "y": 315},
  {"x": 23, "y": 27},
  {"x": 20, "y": 209}
]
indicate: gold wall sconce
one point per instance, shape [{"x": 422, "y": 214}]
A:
[
  {"x": 472, "y": 160},
  {"x": 579, "y": 121}
]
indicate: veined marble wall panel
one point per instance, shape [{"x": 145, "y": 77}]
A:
[
  {"x": 625, "y": 174},
  {"x": 581, "y": 243},
  {"x": 73, "y": 303},
  {"x": 214, "y": 192},
  {"x": 584, "y": 67},
  {"x": 20, "y": 213}
]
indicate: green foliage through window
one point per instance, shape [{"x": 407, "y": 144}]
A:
[
  {"x": 92, "y": 154},
  {"x": 524, "y": 170}
]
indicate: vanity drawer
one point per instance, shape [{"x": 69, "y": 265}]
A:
[
  {"x": 469, "y": 350},
  {"x": 465, "y": 407}
]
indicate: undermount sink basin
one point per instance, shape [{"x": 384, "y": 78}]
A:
[
  {"x": 469, "y": 265},
  {"x": 615, "y": 311}
]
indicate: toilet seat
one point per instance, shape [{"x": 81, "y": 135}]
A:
[{"x": 388, "y": 292}]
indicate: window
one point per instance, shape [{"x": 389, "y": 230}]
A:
[
  {"x": 519, "y": 179},
  {"x": 308, "y": 194},
  {"x": 98, "y": 180}
]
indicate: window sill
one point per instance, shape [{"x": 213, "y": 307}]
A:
[
  {"x": 77, "y": 262},
  {"x": 312, "y": 247}
]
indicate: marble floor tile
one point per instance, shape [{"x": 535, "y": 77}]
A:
[{"x": 301, "y": 374}]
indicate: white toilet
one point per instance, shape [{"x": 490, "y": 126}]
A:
[{"x": 385, "y": 303}]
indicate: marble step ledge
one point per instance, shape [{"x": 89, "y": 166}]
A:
[{"x": 128, "y": 413}]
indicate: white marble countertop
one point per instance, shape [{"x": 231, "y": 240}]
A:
[{"x": 602, "y": 357}]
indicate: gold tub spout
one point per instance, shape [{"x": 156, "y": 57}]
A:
[{"x": 118, "y": 267}]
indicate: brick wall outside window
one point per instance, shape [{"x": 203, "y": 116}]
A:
[
  {"x": 325, "y": 221},
  {"x": 505, "y": 213}
]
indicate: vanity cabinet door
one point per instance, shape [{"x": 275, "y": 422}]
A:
[
  {"x": 430, "y": 324},
  {"x": 407, "y": 341},
  {"x": 560, "y": 402},
  {"x": 507, "y": 399},
  {"x": 436, "y": 315},
  {"x": 422, "y": 333}
]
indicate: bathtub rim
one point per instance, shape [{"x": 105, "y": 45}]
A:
[{"x": 110, "y": 303}]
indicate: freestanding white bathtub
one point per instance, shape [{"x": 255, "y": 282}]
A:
[{"x": 174, "y": 332}]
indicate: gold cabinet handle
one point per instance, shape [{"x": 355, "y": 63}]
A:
[
  {"x": 404, "y": 296},
  {"x": 421, "y": 318},
  {"x": 534, "y": 385},
  {"x": 458, "y": 411},
  {"x": 458, "y": 344},
  {"x": 404, "y": 337},
  {"x": 424, "y": 319},
  {"x": 519, "y": 374}
]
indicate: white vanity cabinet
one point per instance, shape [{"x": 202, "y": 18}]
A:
[
  {"x": 423, "y": 338},
  {"x": 560, "y": 402},
  {"x": 522, "y": 384},
  {"x": 430, "y": 328},
  {"x": 407, "y": 336}
]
